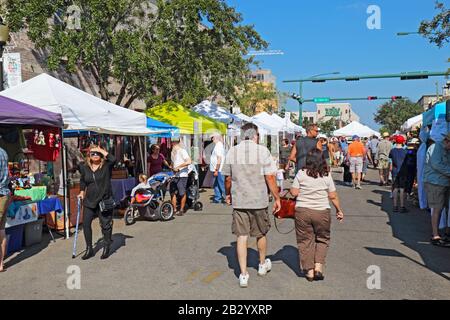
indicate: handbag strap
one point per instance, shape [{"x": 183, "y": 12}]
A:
[{"x": 276, "y": 226}]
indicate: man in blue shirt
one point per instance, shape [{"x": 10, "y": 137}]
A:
[
  {"x": 399, "y": 173},
  {"x": 4, "y": 199},
  {"x": 437, "y": 184},
  {"x": 344, "y": 146}
]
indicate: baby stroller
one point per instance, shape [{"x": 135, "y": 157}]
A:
[
  {"x": 193, "y": 190},
  {"x": 150, "y": 201}
]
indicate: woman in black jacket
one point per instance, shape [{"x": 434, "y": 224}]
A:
[{"x": 95, "y": 186}]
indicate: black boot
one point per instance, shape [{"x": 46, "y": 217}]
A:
[
  {"x": 106, "y": 251},
  {"x": 89, "y": 253}
]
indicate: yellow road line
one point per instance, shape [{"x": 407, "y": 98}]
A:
[
  {"x": 212, "y": 276},
  {"x": 193, "y": 275}
]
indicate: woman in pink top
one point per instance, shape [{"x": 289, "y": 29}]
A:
[{"x": 156, "y": 161}]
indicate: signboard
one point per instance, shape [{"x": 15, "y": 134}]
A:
[
  {"x": 12, "y": 69},
  {"x": 23, "y": 214},
  {"x": 333, "y": 112},
  {"x": 321, "y": 100}
]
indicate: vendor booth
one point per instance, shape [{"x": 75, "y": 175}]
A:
[
  {"x": 356, "y": 128},
  {"x": 28, "y": 135},
  {"x": 195, "y": 130},
  {"x": 82, "y": 113}
]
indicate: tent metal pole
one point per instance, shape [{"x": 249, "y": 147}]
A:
[
  {"x": 142, "y": 157},
  {"x": 65, "y": 193}
]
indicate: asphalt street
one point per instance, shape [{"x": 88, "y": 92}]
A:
[{"x": 193, "y": 257}]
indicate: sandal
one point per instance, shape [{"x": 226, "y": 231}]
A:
[{"x": 439, "y": 243}]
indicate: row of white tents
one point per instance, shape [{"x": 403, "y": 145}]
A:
[
  {"x": 272, "y": 124},
  {"x": 267, "y": 124}
]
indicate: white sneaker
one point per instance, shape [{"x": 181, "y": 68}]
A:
[
  {"x": 264, "y": 268},
  {"x": 243, "y": 280}
]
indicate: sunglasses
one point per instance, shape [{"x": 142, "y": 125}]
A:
[{"x": 95, "y": 154}]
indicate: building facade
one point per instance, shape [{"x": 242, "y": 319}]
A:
[
  {"x": 342, "y": 113},
  {"x": 265, "y": 80}
]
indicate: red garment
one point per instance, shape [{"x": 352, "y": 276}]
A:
[
  {"x": 45, "y": 142},
  {"x": 156, "y": 165}
]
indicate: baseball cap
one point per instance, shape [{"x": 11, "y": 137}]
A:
[
  {"x": 385, "y": 134},
  {"x": 400, "y": 139},
  {"x": 355, "y": 137}
]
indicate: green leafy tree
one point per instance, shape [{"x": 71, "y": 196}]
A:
[
  {"x": 437, "y": 30},
  {"x": 185, "y": 51},
  {"x": 328, "y": 127},
  {"x": 393, "y": 114},
  {"x": 256, "y": 96}
]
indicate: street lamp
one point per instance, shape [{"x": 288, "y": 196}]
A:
[
  {"x": 4, "y": 36},
  {"x": 300, "y": 99}
]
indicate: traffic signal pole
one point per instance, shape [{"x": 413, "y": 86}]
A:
[
  {"x": 326, "y": 100},
  {"x": 402, "y": 76}
]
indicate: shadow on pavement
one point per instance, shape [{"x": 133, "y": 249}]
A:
[
  {"x": 230, "y": 253},
  {"x": 288, "y": 255},
  {"x": 30, "y": 251},
  {"x": 119, "y": 241},
  {"x": 414, "y": 230}
]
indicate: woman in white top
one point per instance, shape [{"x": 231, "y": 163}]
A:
[{"x": 314, "y": 188}]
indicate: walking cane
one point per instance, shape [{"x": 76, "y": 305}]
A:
[{"x": 76, "y": 229}]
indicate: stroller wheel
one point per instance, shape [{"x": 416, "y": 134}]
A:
[
  {"x": 166, "y": 211},
  {"x": 129, "y": 216},
  {"x": 198, "y": 206}
]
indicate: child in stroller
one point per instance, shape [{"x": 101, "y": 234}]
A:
[{"x": 148, "y": 199}]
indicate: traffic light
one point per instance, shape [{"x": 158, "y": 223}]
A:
[
  {"x": 372, "y": 98},
  {"x": 396, "y": 98}
]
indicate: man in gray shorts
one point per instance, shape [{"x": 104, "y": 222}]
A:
[
  {"x": 436, "y": 177},
  {"x": 249, "y": 170}
]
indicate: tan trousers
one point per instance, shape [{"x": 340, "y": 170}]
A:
[{"x": 313, "y": 236}]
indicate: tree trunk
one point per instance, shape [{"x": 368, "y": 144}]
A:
[
  {"x": 122, "y": 93},
  {"x": 130, "y": 101}
]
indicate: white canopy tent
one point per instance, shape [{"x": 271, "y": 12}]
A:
[
  {"x": 267, "y": 125},
  {"x": 243, "y": 117},
  {"x": 356, "y": 128},
  {"x": 296, "y": 127},
  {"x": 412, "y": 123},
  {"x": 79, "y": 109},
  {"x": 287, "y": 124}
]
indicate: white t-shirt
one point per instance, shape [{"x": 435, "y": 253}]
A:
[
  {"x": 218, "y": 151},
  {"x": 313, "y": 192},
  {"x": 179, "y": 157},
  {"x": 141, "y": 185}
]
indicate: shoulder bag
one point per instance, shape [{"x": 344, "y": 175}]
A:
[
  {"x": 287, "y": 210},
  {"x": 105, "y": 204}
]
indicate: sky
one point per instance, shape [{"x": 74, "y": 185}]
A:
[{"x": 322, "y": 36}]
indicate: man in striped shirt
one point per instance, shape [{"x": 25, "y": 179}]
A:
[{"x": 4, "y": 199}]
